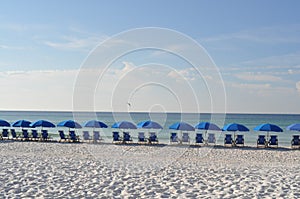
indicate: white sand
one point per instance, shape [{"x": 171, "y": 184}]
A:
[{"x": 54, "y": 170}]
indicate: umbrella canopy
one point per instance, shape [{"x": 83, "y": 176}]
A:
[
  {"x": 4, "y": 123},
  {"x": 182, "y": 126},
  {"x": 95, "y": 124},
  {"x": 234, "y": 127},
  {"x": 42, "y": 123},
  {"x": 21, "y": 123},
  {"x": 268, "y": 128},
  {"x": 293, "y": 127},
  {"x": 207, "y": 126},
  {"x": 149, "y": 125},
  {"x": 124, "y": 125},
  {"x": 69, "y": 124}
]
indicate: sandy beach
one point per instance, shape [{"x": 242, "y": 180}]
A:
[{"x": 64, "y": 170}]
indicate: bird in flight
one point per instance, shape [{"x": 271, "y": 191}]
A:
[{"x": 128, "y": 104}]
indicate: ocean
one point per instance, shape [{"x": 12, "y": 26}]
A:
[{"x": 165, "y": 119}]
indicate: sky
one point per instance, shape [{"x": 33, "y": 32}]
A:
[{"x": 254, "y": 47}]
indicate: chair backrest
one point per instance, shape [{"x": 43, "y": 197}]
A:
[
  {"x": 211, "y": 138},
  {"x": 44, "y": 134},
  {"x": 4, "y": 132},
  {"x": 62, "y": 134},
  {"x": 228, "y": 139},
  {"x": 96, "y": 135},
  {"x": 199, "y": 138},
  {"x": 239, "y": 139},
  {"x": 86, "y": 135},
  {"x": 296, "y": 139},
  {"x": 141, "y": 136},
  {"x": 13, "y": 133},
  {"x": 116, "y": 136},
  {"x": 173, "y": 137},
  {"x": 273, "y": 139},
  {"x": 152, "y": 136},
  {"x": 185, "y": 137},
  {"x": 34, "y": 133},
  {"x": 261, "y": 139},
  {"x": 126, "y": 136},
  {"x": 72, "y": 135},
  {"x": 25, "y": 133}
]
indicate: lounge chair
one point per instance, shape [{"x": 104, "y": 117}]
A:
[
  {"x": 126, "y": 137},
  {"x": 5, "y": 134},
  {"x": 239, "y": 140},
  {"x": 228, "y": 141},
  {"x": 141, "y": 138},
  {"x": 185, "y": 138},
  {"x": 173, "y": 138},
  {"x": 45, "y": 135},
  {"x": 73, "y": 137},
  {"x": 116, "y": 137},
  {"x": 13, "y": 134},
  {"x": 86, "y": 136},
  {"x": 96, "y": 136},
  {"x": 25, "y": 135},
  {"x": 199, "y": 139},
  {"x": 295, "y": 143},
  {"x": 63, "y": 137},
  {"x": 211, "y": 139},
  {"x": 261, "y": 141},
  {"x": 34, "y": 135},
  {"x": 152, "y": 138},
  {"x": 273, "y": 141}
]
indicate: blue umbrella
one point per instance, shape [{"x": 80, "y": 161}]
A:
[
  {"x": 21, "y": 123},
  {"x": 207, "y": 126},
  {"x": 124, "y": 125},
  {"x": 95, "y": 124},
  {"x": 42, "y": 123},
  {"x": 149, "y": 125},
  {"x": 293, "y": 127},
  {"x": 268, "y": 127},
  {"x": 4, "y": 123},
  {"x": 182, "y": 126},
  {"x": 69, "y": 124},
  {"x": 235, "y": 127}
]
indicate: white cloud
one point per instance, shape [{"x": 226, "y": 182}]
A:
[
  {"x": 298, "y": 86},
  {"x": 251, "y": 76}
]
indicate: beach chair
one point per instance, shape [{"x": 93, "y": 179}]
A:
[
  {"x": 34, "y": 135},
  {"x": 86, "y": 136},
  {"x": 228, "y": 141},
  {"x": 25, "y": 135},
  {"x": 185, "y": 138},
  {"x": 173, "y": 138},
  {"x": 239, "y": 140},
  {"x": 73, "y": 137},
  {"x": 199, "y": 139},
  {"x": 116, "y": 137},
  {"x": 96, "y": 136},
  {"x": 273, "y": 141},
  {"x": 126, "y": 137},
  {"x": 261, "y": 141},
  {"x": 295, "y": 143},
  {"x": 5, "y": 134},
  {"x": 153, "y": 138},
  {"x": 45, "y": 135},
  {"x": 13, "y": 134},
  {"x": 63, "y": 137},
  {"x": 211, "y": 139},
  {"x": 141, "y": 138}
]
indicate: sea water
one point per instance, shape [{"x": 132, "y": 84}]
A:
[{"x": 165, "y": 119}]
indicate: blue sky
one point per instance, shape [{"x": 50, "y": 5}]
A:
[{"x": 255, "y": 45}]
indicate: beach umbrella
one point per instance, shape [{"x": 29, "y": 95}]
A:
[
  {"x": 182, "y": 126},
  {"x": 4, "y": 123},
  {"x": 149, "y": 125},
  {"x": 70, "y": 124},
  {"x": 21, "y": 123},
  {"x": 124, "y": 125},
  {"x": 207, "y": 126},
  {"x": 95, "y": 124},
  {"x": 233, "y": 127},
  {"x": 293, "y": 127},
  {"x": 268, "y": 128},
  {"x": 42, "y": 123}
]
